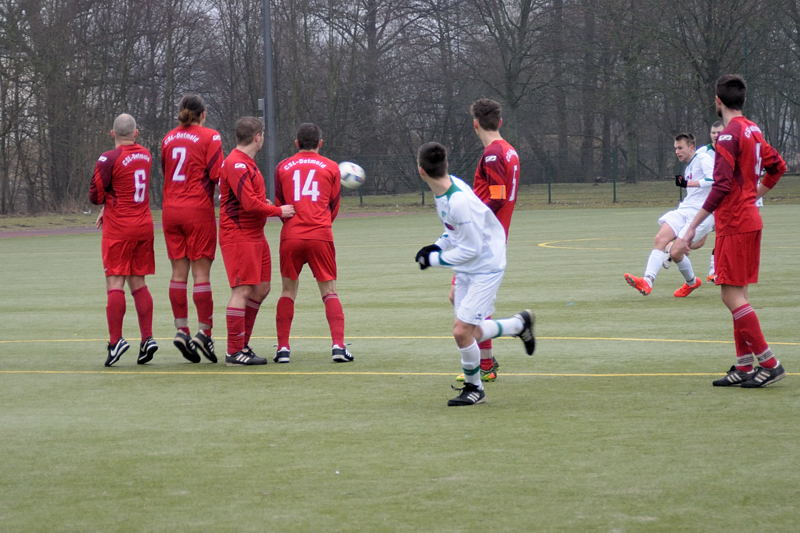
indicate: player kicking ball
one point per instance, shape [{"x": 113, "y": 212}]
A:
[{"x": 474, "y": 246}]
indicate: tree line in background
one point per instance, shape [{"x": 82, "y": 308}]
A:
[{"x": 592, "y": 89}]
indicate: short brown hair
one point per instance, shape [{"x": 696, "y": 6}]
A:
[
  {"x": 432, "y": 157},
  {"x": 487, "y": 112},
  {"x": 688, "y": 137},
  {"x": 308, "y": 136},
  {"x": 732, "y": 91},
  {"x": 246, "y": 130},
  {"x": 191, "y": 109},
  {"x": 717, "y": 124}
]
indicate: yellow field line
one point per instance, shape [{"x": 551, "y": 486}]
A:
[
  {"x": 363, "y": 373},
  {"x": 428, "y": 337}
]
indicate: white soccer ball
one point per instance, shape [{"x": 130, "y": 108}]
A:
[{"x": 353, "y": 175}]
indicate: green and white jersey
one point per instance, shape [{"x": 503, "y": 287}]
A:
[{"x": 474, "y": 241}]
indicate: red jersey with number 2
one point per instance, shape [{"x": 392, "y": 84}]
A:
[
  {"x": 191, "y": 159},
  {"x": 312, "y": 183},
  {"x": 121, "y": 182},
  {"x": 742, "y": 153},
  {"x": 497, "y": 180}
]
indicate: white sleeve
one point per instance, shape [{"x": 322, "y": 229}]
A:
[
  {"x": 470, "y": 239},
  {"x": 707, "y": 171},
  {"x": 444, "y": 241}
]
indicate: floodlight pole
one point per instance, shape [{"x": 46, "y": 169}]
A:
[{"x": 269, "y": 101}]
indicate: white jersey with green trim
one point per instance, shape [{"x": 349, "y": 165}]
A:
[
  {"x": 700, "y": 169},
  {"x": 474, "y": 241}
]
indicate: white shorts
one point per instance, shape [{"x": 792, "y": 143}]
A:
[
  {"x": 679, "y": 219},
  {"x": 475, "y": 295}
]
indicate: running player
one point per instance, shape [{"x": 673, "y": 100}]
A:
[
  {"x": 697, "y": 179},
  {"x": 742, "y": 153},
  {"x": 474, "y": 246},
  {"x": 243, "y": 213},
  {"x": 496, "y": 183},
  {"x": 121, "y": 183},
  {"x": 191, "y": 158},
  {"x": 312, "y": 183}
]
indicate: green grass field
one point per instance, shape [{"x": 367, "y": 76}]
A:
[{"x": 613, "y": 425}]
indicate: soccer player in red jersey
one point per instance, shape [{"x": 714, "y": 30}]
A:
[
  {"x": 496, "y": 183},
  {"x": 742, "y": 153},
  {"x": 312, "y": 183},
  {"x": 191, "y": 159},
  {"x": 243, "y": 213},
  {"x": 120, "y": 183}
]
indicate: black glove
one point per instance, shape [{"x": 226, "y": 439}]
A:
[
  {"x": 680, "y": 181},
  {"x": 423, "y": 256}
]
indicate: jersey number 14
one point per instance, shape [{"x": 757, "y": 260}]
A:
[{"x": 310, "y": 187}]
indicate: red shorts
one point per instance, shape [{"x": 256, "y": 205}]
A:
[
  {"x": 189, "y": 237},
  {"x": 319, "y": 255},
  {"x": 736, "y": 258},
  {"x": 247, "y": 262},
  {"x": 128, "y": 258}
]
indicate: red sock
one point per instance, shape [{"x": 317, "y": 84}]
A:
[
  {"x": 745, "y": 321},
  {"x": 487, "y": 364},
  {"x": 284, "y": 314},
  {"x": 744, "y": 357},
  {"x": 204, "y": 303},
  {"x": 335, "y": 315},
  {"x": 143, "y": 301},
  {"x": 235, "y": 320},
  {"x": 250, "y": 313},
  {"x": 180, "y": 305},
  {"x": 115, "y": 312}
]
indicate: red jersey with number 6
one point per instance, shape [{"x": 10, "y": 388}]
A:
[
  {"x": 191, "y": 159},
  {"x": 121, "y": 182},
  {"x": 742, "y": 153},
  {"x": 497, "y": 180},
  {"x": 312, "y": 183}
]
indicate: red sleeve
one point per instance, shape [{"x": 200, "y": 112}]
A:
[
  {"x": 773, "y": 164},
  {"x": 279, "y": 200},
  {"x": 724, "y": 162},
  {"x": 214, "y": 158},
  {"x": 101, "y": 179},
  {"x": 251, "y": 202},
  {"x": 336, "y": 193}
]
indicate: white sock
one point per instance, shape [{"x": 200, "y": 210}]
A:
[
  {"x": 685, "y": 266},
  {"x": 504, "y": 327},
  {"x": 711, "y": 265},
  {"x": 654, "y": 263},
  {"x": 471, "y": 364}
]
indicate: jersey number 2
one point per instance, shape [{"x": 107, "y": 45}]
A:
[
  {"x": 179, "y": 154},
  {"x": 310, "y": 186}
]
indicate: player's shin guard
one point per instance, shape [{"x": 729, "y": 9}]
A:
[
  {"x": 143, "y": 301},
  {"x": 234, "y": 317},
  {"x": 284, "y": 314},
  {"x": 745, "y": 322},
  {"x": 115, "y": 313},
  {"x": 204, "y": 304},
  {"x": 180, "y": 305},
  {"x": 250, "y": 313},
  {"x": 471, "y": 364},
  {"x": 335, "y": 315}
]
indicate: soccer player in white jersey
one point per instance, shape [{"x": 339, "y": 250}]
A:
[
  {"x": 697, "y": 178},
  {"x": 474, "y": 246},
  {"x": 713, "y": 133}
]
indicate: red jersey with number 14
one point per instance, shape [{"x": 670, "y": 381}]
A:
[
  {"x": 121, "y": 182},
  {"x": 312, "y": 183},
  {"x": 191, "y": 159},
  {"x": 497, "y": 180},
  {"x": 742, "y": 153}
]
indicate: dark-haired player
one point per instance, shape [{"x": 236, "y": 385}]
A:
[
  {"x": 496, "y": 183},
  {"x": 697, "y": 179},
  {"x": 312, "y": 183},
  {"x": 191, "y": 159},
  {"x": 474, "y": 246},
  {"x": 244, "y": 209},
  {"x": 121, "y": 183},
  {"x": 742, "y": 153}
]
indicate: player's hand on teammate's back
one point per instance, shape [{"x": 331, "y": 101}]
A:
[
  {"x": 680, "y": 181},
  {"x": 423, "y": 256},
  {"x": 99, "y": 222},
  {"x": 287, "y": 211}
]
